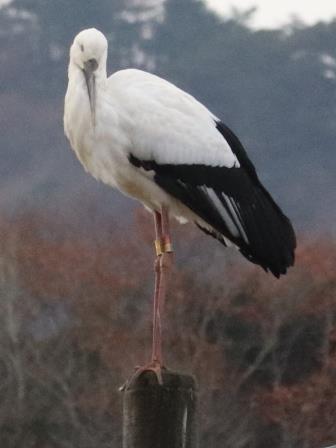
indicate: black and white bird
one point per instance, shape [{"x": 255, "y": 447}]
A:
[{"x": 156, "y": 143}]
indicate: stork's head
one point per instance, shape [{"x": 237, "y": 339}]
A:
[{"x": 89, "y": 52}]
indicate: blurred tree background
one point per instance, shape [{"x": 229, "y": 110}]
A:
[{"x": 76, "y": 257}]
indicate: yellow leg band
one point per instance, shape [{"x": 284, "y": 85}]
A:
[
  {"x": 158, "y": 248},
  {"x": 163, "y": 247}
]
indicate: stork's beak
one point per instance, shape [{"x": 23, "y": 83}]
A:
[{"x": 90, "y": 67}]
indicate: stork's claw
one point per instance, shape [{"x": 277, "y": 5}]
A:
[{"x": 153, "y": 366}]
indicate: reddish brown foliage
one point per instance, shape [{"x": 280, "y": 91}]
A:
[{"x": 263, "y": 350}]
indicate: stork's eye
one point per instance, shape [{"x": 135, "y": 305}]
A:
[{"x": 82, "y": 47}]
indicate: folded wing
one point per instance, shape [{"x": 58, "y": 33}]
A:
[{"x": 231, "y": 201}]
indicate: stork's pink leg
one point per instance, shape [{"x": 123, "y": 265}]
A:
[
  {"x": 162, "y": 268},
  {"x": 156, "y": 347}
]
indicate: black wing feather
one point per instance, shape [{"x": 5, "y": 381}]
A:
[{"x": 249, "y": 218}]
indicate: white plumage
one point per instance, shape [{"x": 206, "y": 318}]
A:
[
  {"x": 158, "y": 144},
  {"x": 140, "y": 113}
]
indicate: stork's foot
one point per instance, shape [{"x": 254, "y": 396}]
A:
[{"x": 154, "y": 366}]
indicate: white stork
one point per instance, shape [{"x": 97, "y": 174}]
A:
[{"x": 154, "y": 142}]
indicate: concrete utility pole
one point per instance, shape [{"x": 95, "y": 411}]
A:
[{"x": 160, "y": 416}]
